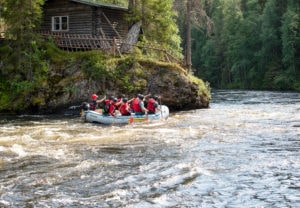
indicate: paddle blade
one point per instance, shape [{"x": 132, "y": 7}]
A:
[
  {"x": 131, "y": 119},
  {"x": 147, "y": 119}
]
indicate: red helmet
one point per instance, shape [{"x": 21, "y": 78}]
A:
[{"x": 94, "y": 96}]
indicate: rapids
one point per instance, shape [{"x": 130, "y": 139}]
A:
[{"x": 244, "y": 151}]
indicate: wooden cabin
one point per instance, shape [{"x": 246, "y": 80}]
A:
[{"x": 84, "y": 24}]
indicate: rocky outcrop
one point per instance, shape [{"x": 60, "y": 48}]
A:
[
  {"x": 73, "y": 86},
  {"x": 178, "y": 91}
]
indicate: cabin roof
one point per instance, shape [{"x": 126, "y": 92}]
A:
[{"x": 100, "y": 4}]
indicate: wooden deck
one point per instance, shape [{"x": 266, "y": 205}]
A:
[{"x": 76, "y": 42}]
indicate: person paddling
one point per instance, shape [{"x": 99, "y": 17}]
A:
[
  {"x": 107, "y": 103},
  {"x": 153, "y": 105},
  {"x": 124, "y": 108},
  {"x": 120, "y": 101},
  {"x": 95, "y": 101},
  {"x": 113, "y": 107},
  {"x": 137, "y": 105}
]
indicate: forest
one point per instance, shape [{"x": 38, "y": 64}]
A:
[
  {"x": 240, "y": 44},
  {"x": 253, "y": 44}
]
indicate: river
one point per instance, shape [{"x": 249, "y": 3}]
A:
[{"x": 244, "y": 151}]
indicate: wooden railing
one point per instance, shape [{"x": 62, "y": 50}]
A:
[
  {"x": 167, "y": 56},
  {"x": 80, "y": 42}
]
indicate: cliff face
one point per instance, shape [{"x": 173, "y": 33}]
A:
[{"x": 74, "y": 86}]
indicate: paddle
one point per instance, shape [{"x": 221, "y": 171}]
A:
[
  {"x": 147, "y": 119},
  {"x": 131, "y": 119},
  {"x": 74, "y": 107},
  {"x": 114, "y": 113},
  {"x": 161, "y": 112},
  {"x": 114, "y": 120}
]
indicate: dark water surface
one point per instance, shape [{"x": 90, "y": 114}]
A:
[{"x": 244, "y": 151}]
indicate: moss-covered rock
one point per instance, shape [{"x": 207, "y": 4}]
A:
[{"x": 130, "y": 76}]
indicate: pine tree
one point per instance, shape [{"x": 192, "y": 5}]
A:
[
  {"x": 23, "y": 67},
  {"x": 22, "y": 19},
  {"x": 270, "y": 54},
  {"x": 192, "y": 16},
  {"x": 290, "y": 47}
]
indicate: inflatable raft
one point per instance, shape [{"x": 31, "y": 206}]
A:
[{"x": 96, "y": 117}]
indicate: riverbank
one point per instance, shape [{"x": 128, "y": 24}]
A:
[{"x": 71, "y": 78}]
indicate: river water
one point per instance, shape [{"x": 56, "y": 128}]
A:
[{"x": 244, "y": 151}]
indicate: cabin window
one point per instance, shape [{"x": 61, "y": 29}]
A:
[{"x": 60, "y": 23}]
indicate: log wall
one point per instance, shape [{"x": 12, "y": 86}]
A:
[{"x": 85, "y": 19}]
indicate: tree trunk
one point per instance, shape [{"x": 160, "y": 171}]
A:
[
  {"x": 131, "y": 38},
  {"x": 188, "y": 37},
  {"x": 131, "y": 5}
]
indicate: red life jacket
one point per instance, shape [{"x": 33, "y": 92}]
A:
[
  {"x": 93, "y": 105},
  {"x": 123, "y": 109},
  {"x": 107, "y": 101},
  {"x": 112, "y": 109},
  {"x": 135, "y": 105},
  {"x": 107, "y": 104},
  {"x": 150, "y": 106}
]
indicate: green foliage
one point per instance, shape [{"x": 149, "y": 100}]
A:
[
  {"x": 54, "y": 54},
  {"x": 23, "y": 61},
  {"x": 291, "y": 45},
  {"x": 112, "y": 72},
  {"x": 94, "y": 64},
  {"x": 271, "y": 46},
  {"x": 204, "y": 87},
  {"x": 22, "y": 18},
  {"x": 128, "y": 73},
  {"x": 158, "y": 22},
  {"x": 116, "y": 2},
  {"x": 4, "y": 94},
  {"x": 254, "y": 45},
  {"x": 23, "y": 80}
]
